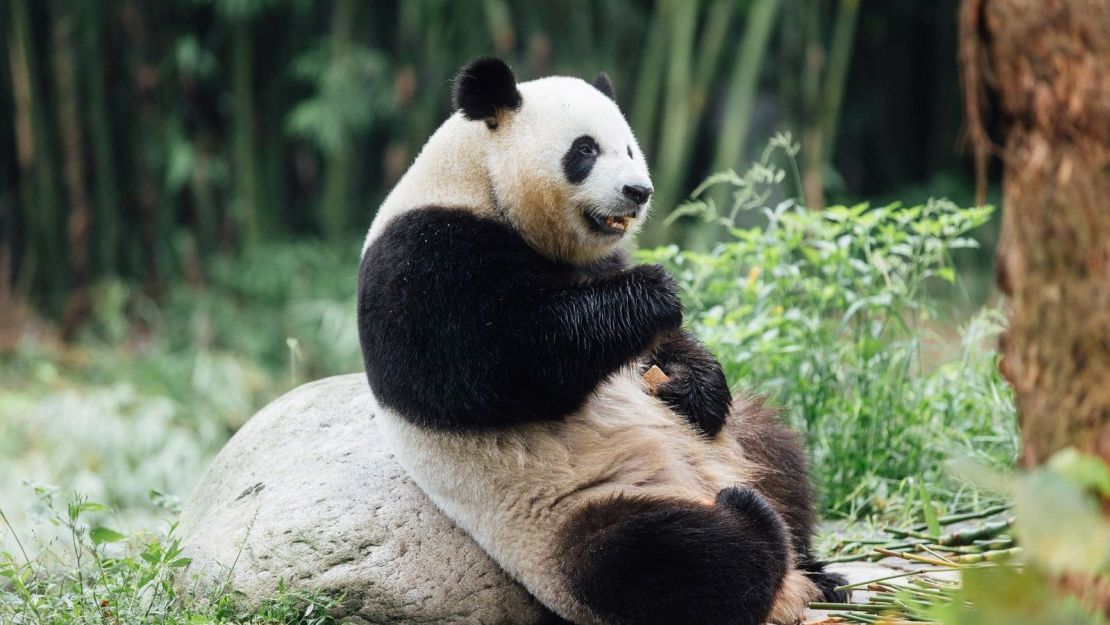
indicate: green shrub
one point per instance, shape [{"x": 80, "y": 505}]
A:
[
  {"x": 95, "y": 575},
  {"x": 831, "y": 313}
]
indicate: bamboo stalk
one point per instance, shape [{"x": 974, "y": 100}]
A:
[
  {"x": 22, "y": 101},
  {"x": 971, "y": 516},
  {"x": 39, "y": 197},
  {"x": 73, "y": 162},
  {"x": 855, "y": 607},
  {"x": 961, "y": 537},
  {"x": 100, "y": 126},
  {"x": 742, "y": 86},
  {"x": 650, "y": 80},
  {"x": 915, "y": 558},
  {"x": 246, "y": 178},
  {"x": 676, "y": 114},
  {"x": 337, "y": 178},
  {"x": 813, "y": 60},
  {"x": 836, "y": 75},
  {"x": 865, "y": 583},
  {"x": 1000, "y": 555}
]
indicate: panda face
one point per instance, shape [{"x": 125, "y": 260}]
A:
[{"x": 564, "y": 166}]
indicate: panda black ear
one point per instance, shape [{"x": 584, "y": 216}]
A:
[
  {"x": 483, "y": 87},
  {"x": 603, "y": 85}
]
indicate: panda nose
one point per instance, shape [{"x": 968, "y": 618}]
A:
[{"x": 637, "y": 193}]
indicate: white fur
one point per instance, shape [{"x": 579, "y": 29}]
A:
[
  {"x": 518, "y": 168},
  {"x": 512, "y": 490}
]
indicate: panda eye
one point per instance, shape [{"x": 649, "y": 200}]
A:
[{"x": 586, "y": 149}]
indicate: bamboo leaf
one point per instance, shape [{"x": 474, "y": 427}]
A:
[{"x": 101, "y": 535}]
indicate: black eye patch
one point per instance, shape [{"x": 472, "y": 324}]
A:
[{"x": 580, "y": 158}]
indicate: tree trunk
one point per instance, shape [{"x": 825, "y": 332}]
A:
[{"x": 1046, "y": 66}]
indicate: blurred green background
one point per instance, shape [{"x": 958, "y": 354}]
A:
[
  {"x": 141, "y": 138},
  {"x": 184, "y": 184}
]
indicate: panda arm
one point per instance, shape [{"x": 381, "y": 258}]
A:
[
  {"x": 573, "y": 335},
  {"x": 464, "y": 326},
  {"x": 697, "y": 388}
]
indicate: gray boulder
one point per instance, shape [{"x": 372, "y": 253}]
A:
[{"x": 306, "y": 492}]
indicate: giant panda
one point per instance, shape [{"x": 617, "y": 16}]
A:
[{"x": 505, "y": 334}]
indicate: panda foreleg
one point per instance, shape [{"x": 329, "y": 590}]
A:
[
  {"x": 697, "y": 388},
  {"x": 652, "y": 560},
  {"x": 584, "y": 332}
]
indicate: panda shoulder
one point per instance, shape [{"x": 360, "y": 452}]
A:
[
  {"x": 447, "y": 229},
  {"x": 451, "y": 241}
]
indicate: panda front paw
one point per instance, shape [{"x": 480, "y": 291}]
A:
[
  {"x": 700, "y": 394},
  {"x": 696, "y": 388}
]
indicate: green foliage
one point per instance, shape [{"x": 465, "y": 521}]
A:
[
  {"x": 350, "y": 93},
  {"x": 1063, "y": 535},
  {"x": 229, "y": 122},
  {"x": 1007, "y": 595},
  {"x": 831, "y": 313},
  {"x": 95, "y": 575},
  {"x": 239, "y": 9},
  {"x": 153, "y": 389}
]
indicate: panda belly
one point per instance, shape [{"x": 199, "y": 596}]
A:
[{"x": 515, "y": 490}]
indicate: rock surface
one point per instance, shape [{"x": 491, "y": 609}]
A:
[{"x": 305, "y": 492}]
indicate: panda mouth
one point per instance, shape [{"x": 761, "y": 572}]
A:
[{"x": 611, "y": 225}]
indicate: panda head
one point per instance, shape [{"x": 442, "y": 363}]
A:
[{"x": 563, "y": 165}]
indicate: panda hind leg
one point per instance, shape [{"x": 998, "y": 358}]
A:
[
  {"x": 767, "y": 442},
  {"x": 648, "y": 560},
  {"x": 826, "y": 581}
]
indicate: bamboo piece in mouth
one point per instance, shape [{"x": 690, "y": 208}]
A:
[{"x": 619, "y": 223}]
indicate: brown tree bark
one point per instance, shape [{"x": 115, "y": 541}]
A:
[{"x": 1045, "y": 67}]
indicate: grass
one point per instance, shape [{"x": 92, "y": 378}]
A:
[
  {"x": 92, "y": 574},
  {"x": 840, "y": 316}
]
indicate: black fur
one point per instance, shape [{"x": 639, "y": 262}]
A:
[
  {"x": 579, "y": 159},
  {"x": 784, "y": 481},
  {"x": 606, "y": 267},
  {"x": 648, "y": 561},
  {"x": 483, "y": 87},
  {"x": 697, "y": 388},
  {"x": 464, "y": 326},
  {"x": 602, "y": 84},
  {"x": 827, "y": 582}
]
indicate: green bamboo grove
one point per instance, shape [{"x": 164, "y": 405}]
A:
[{"x": 138, "y": 138}]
